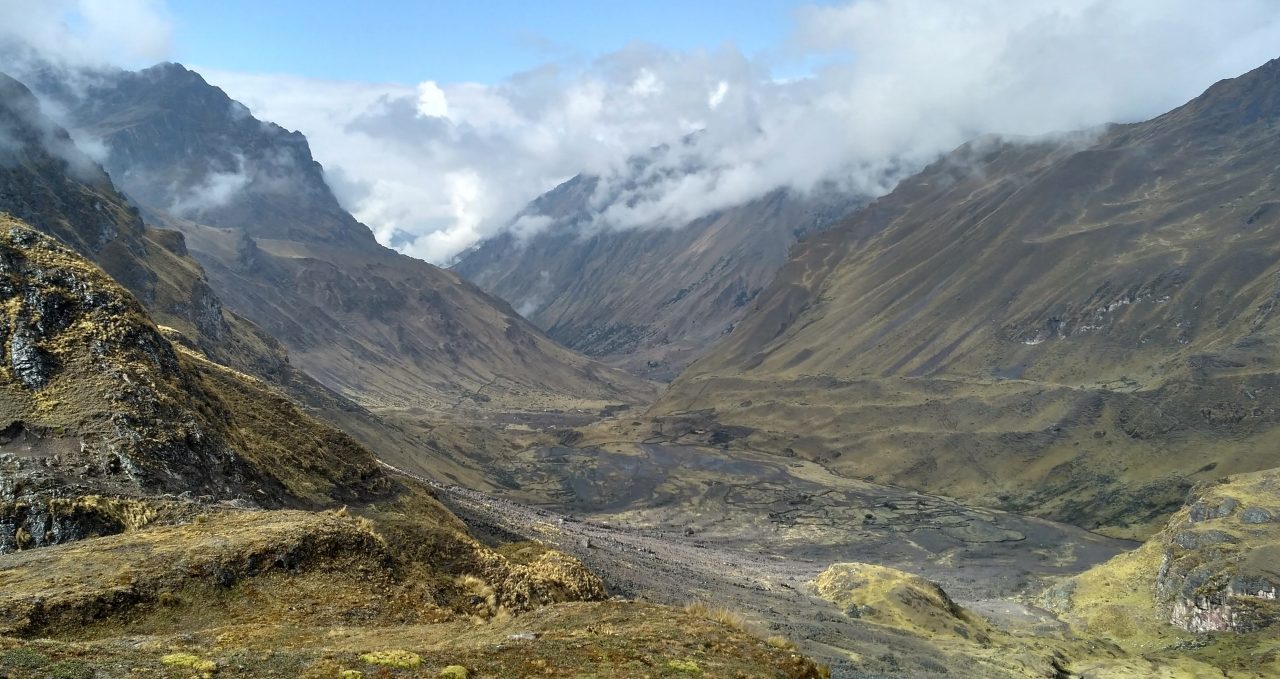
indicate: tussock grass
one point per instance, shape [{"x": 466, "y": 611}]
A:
[{"x": 719, "y": 614}]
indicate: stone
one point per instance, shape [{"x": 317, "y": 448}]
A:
[
  {"x": 1195, "y": 540},
  {"x": 31, "y": 364},
  {"x": 1256, "y": 515}
]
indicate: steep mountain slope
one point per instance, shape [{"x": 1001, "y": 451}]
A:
[
  {"x": 651, "y": 299},
  {"x": 47, "y": 181},
  {"x": 105, "y": 414},
  {"x": 382, "y": 328},
  {"x": 1080, "y": 328}
]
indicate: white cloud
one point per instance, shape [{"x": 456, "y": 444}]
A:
[
  {"x": 441, "y": 165},
  {"x": 436, "y": 166},
  {"x": 717, "y": 97},
  {"x": 86, "y": 32},
  {"x": 217, "y": 190},
  {"x": 432, "y": 102}
]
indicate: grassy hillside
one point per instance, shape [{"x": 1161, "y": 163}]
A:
[{"x": 1081, "y": 328}]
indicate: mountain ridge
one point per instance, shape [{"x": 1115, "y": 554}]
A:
[
  {"x": 956, "y": 335},
  {"x": 381, "y": 328},
  {"x": 646, "y": 299}
]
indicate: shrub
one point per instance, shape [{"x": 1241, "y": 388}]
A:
[
  {"x": 398, "y": 659},
  {"x": 780, "y": 642},
  {"x": 455, "y": 672},
  {"x": 25, "y": 658},
  {"x": 68, "y": 669},
  {"x": 684, "y": 666},
  {"x": 723, "y": 616},
  {"x": 195, "y": 662}
]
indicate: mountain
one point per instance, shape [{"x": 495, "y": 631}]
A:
[
  {"x": 652, "y": 299},
  {"x": 151, "y": 493},
  {"x": 384, "y": 329},
  {"x": 1080, "y": 327},
  {"x": 48, "y": 181}
]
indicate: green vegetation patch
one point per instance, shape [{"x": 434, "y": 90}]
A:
[
  {"x": 24, "y": 658},
  {"x": 195, "y": 662},
  {"x": 397, "y": 659},
  {"x": 687, "y": 666}
]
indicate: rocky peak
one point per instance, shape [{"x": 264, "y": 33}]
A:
[
  {"x": 1228, "y": 105},
  {"x": 178, "y": 144}
]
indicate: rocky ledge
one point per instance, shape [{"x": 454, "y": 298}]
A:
[{"x": 1220, "y": 569}]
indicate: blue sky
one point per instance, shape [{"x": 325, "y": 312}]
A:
[{"x": 402, "y": 41}]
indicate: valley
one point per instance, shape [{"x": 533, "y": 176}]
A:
[
  {"x": 1005, "y": 410},
  {"x": 688, "y": 526}
]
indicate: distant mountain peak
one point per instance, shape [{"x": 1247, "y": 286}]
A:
[{"x": 1236, "y": 102}]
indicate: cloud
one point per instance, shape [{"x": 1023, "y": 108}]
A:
[
  {"x": 80, "y": 33},
  {"x": 432, "y": 102},
  {"x": 217, "y": 190},
  {"x": 441, "y": 165},
  {"x": 436, "y": 166}
]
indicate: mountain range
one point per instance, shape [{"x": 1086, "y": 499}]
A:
[
  {"x": 384, "y": 329},
  {"x": 1014, "y": 418},
  {"x": 1079, "y": 327},
  {"x": 648, "y": 299}
]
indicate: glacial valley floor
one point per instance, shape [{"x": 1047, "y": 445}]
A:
[{"x": 678, "y": 525}]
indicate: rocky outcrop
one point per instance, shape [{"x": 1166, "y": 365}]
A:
[
  {"x": 1220, "y": 568},
  {"x": 52, "y": 521},
  {"x": 98, "y": 400}
]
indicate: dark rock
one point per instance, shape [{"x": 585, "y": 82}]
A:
[
  {"x": 32, "y": 365},
  {"x": 1256, "y": 515},
  {"x": 1195, "y": 540}
]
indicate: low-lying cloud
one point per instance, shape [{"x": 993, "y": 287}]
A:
[
  {"x": 434, "y": 167},
  {"x": 79, "y": 33},
  {"x": 217, "y": 190},
  {"x": 439, "y": 166}
]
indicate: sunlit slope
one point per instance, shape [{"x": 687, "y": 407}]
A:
[{"x": 1078, "y": 327}]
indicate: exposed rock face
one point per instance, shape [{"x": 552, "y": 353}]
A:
[
  {"x": 1080, "y": 327},
  {"x": 52, "y": 521},
  {"x": 1220, "y": 570},
  {"x": 97, "y": 400},
  {"x": 649, "y": 299},
  {"x": 384, "y": 329},
  {"x": 46, "y": 181}
]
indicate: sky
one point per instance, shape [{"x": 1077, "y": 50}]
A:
[
  {"x": 478, "y": 41},
  {"x": 437, "y": 122}
]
